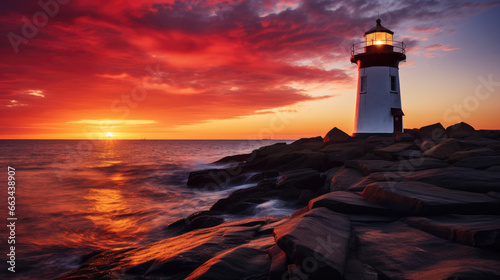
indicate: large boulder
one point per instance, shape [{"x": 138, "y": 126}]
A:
[
  {"x": 301, "y": 179},
  {"x": 345, "y": 178},
  {"x": 316, "y": 242},
  {"x": 458, "y": 156},
  {"x": 370, "y": 166},
  {"x": 397, "y": 251},
  {"x": 247, "y": 262},
  {"x": 460, "y": 130},
  {"x": 474, "y": 230},
  {"x": 336, "y": 135},
  {"x": 415, "y": 198},
  {"x": 481, "y": 162},
  {"x": 443, "y": 150},
  {"x": 459, "y": 178},
  {"x": 395, "y": 151},
  {"x": 434, "y": 132},
  {"x": 347, "y": 203}
]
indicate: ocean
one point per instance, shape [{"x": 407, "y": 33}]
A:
[{"x": 74, "y": 197}]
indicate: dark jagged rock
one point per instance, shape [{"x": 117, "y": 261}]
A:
[
  {"x": 233, "y": 159},
  {"x": 414, "y": 198},
  {"x": 369, "y": 166},
  {"x": 347, "y": 203},
  {"x": 443, "y": 150},
  {"x": 458, "y": 156},
  {"x": 405, "y": 137},
  {"x": 319, "y": 235},
  {"x": 216, "y": 179},
  {"x": 482, "y": 162},
  {"x": 279, "y": 263},
  {"x": 474, "y": 230},
  {"x": 459, "y": 178},
  {"x": 397, "y": 251},
  {"x": 394, "y": 151},
  {"x": 246, "y": 262},
  {"x": 301, "y": 179},
  {"x": 269, "y": 174},
  {"x": 434, "y": 132},
  {"x": 203, "y": 222},
  {"x": 336, "y": 135},
  {"x": 345, "y": 178},
  {"x": 460, "y": 130},
  {"x": 303, "y": 141}
]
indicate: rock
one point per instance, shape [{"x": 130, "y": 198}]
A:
[
  {"x": 320, "y": 236},
  {"x": 182, "y": 223},
  {"x": 203, "y": 222},
  {"x": 345, "y": 178},
  {"x": 369, "y": 166},
  {"x": 434, "y": 132},
  {"x": 391, "y": 152},
  {"x": 347, "y": 203},
  {"x": 216, "y": 179},
  {"x": 443, "y": 150},
  {"x": 232, "y": 159},
  {"x": 481, "y": 162},
  {"x": 301, "y": 179},
  {"x": 459, "y": 178},
  {"x": 477, "y": 142},
  {"x": 460, "y": 130},
  {"x": 302, "y": 141},
  {"x": 179, "y": 256},
  {"x": 268, "y": 174},
  {"x": 458, "y": 156},
  {"x": 337, "y": 154},
  {"x": 336, "y": 135},
  {"x": 426, "y": 145},
  {"x": 397, "y": 251},
  {"x": 279, "y": 263},
  {"x": 417, "y": 164},
  {"x": 474, "y": 230},
  {"x": 243, "y": 262},
  {"x": 494, "y": 168},
  {"x": 384, "y": 140},
  {"x": 404, "y": 137},
  {"x": 415, "y": 198}
]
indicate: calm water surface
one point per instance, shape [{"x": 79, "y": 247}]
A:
[{"x": 74, "y": 197}]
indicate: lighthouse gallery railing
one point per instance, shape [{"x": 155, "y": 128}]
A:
[{"x": 360, "y": 47}]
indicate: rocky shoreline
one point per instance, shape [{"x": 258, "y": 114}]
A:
[{"x": 421, "y": 205}]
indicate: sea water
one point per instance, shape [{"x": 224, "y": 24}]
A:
[{"x": 74, "y": 197}]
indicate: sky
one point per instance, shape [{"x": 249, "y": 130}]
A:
[{"x": 247, "y": 69}]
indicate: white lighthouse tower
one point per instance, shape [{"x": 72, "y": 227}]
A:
[{"x": 378, "y": 101}]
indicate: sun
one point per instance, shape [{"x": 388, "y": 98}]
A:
[{"x": 109, "y": 134}]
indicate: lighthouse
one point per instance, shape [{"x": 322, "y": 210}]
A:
[{"x": 378, "y": 98}]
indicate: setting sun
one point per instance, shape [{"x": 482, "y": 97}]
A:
[{"x": 109, "y": 134}]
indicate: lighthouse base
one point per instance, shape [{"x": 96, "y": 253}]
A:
[{"x": 366, "y": 135}]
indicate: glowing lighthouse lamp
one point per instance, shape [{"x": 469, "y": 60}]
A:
[{"x": 378, "y": 102}]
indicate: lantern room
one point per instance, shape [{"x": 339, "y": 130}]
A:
[{"x": 378, "y": 35}]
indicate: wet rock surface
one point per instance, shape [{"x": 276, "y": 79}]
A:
[{"x": 422, "y": 206}]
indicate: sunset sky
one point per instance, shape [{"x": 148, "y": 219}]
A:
[{"x": 245, "y": 69}]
